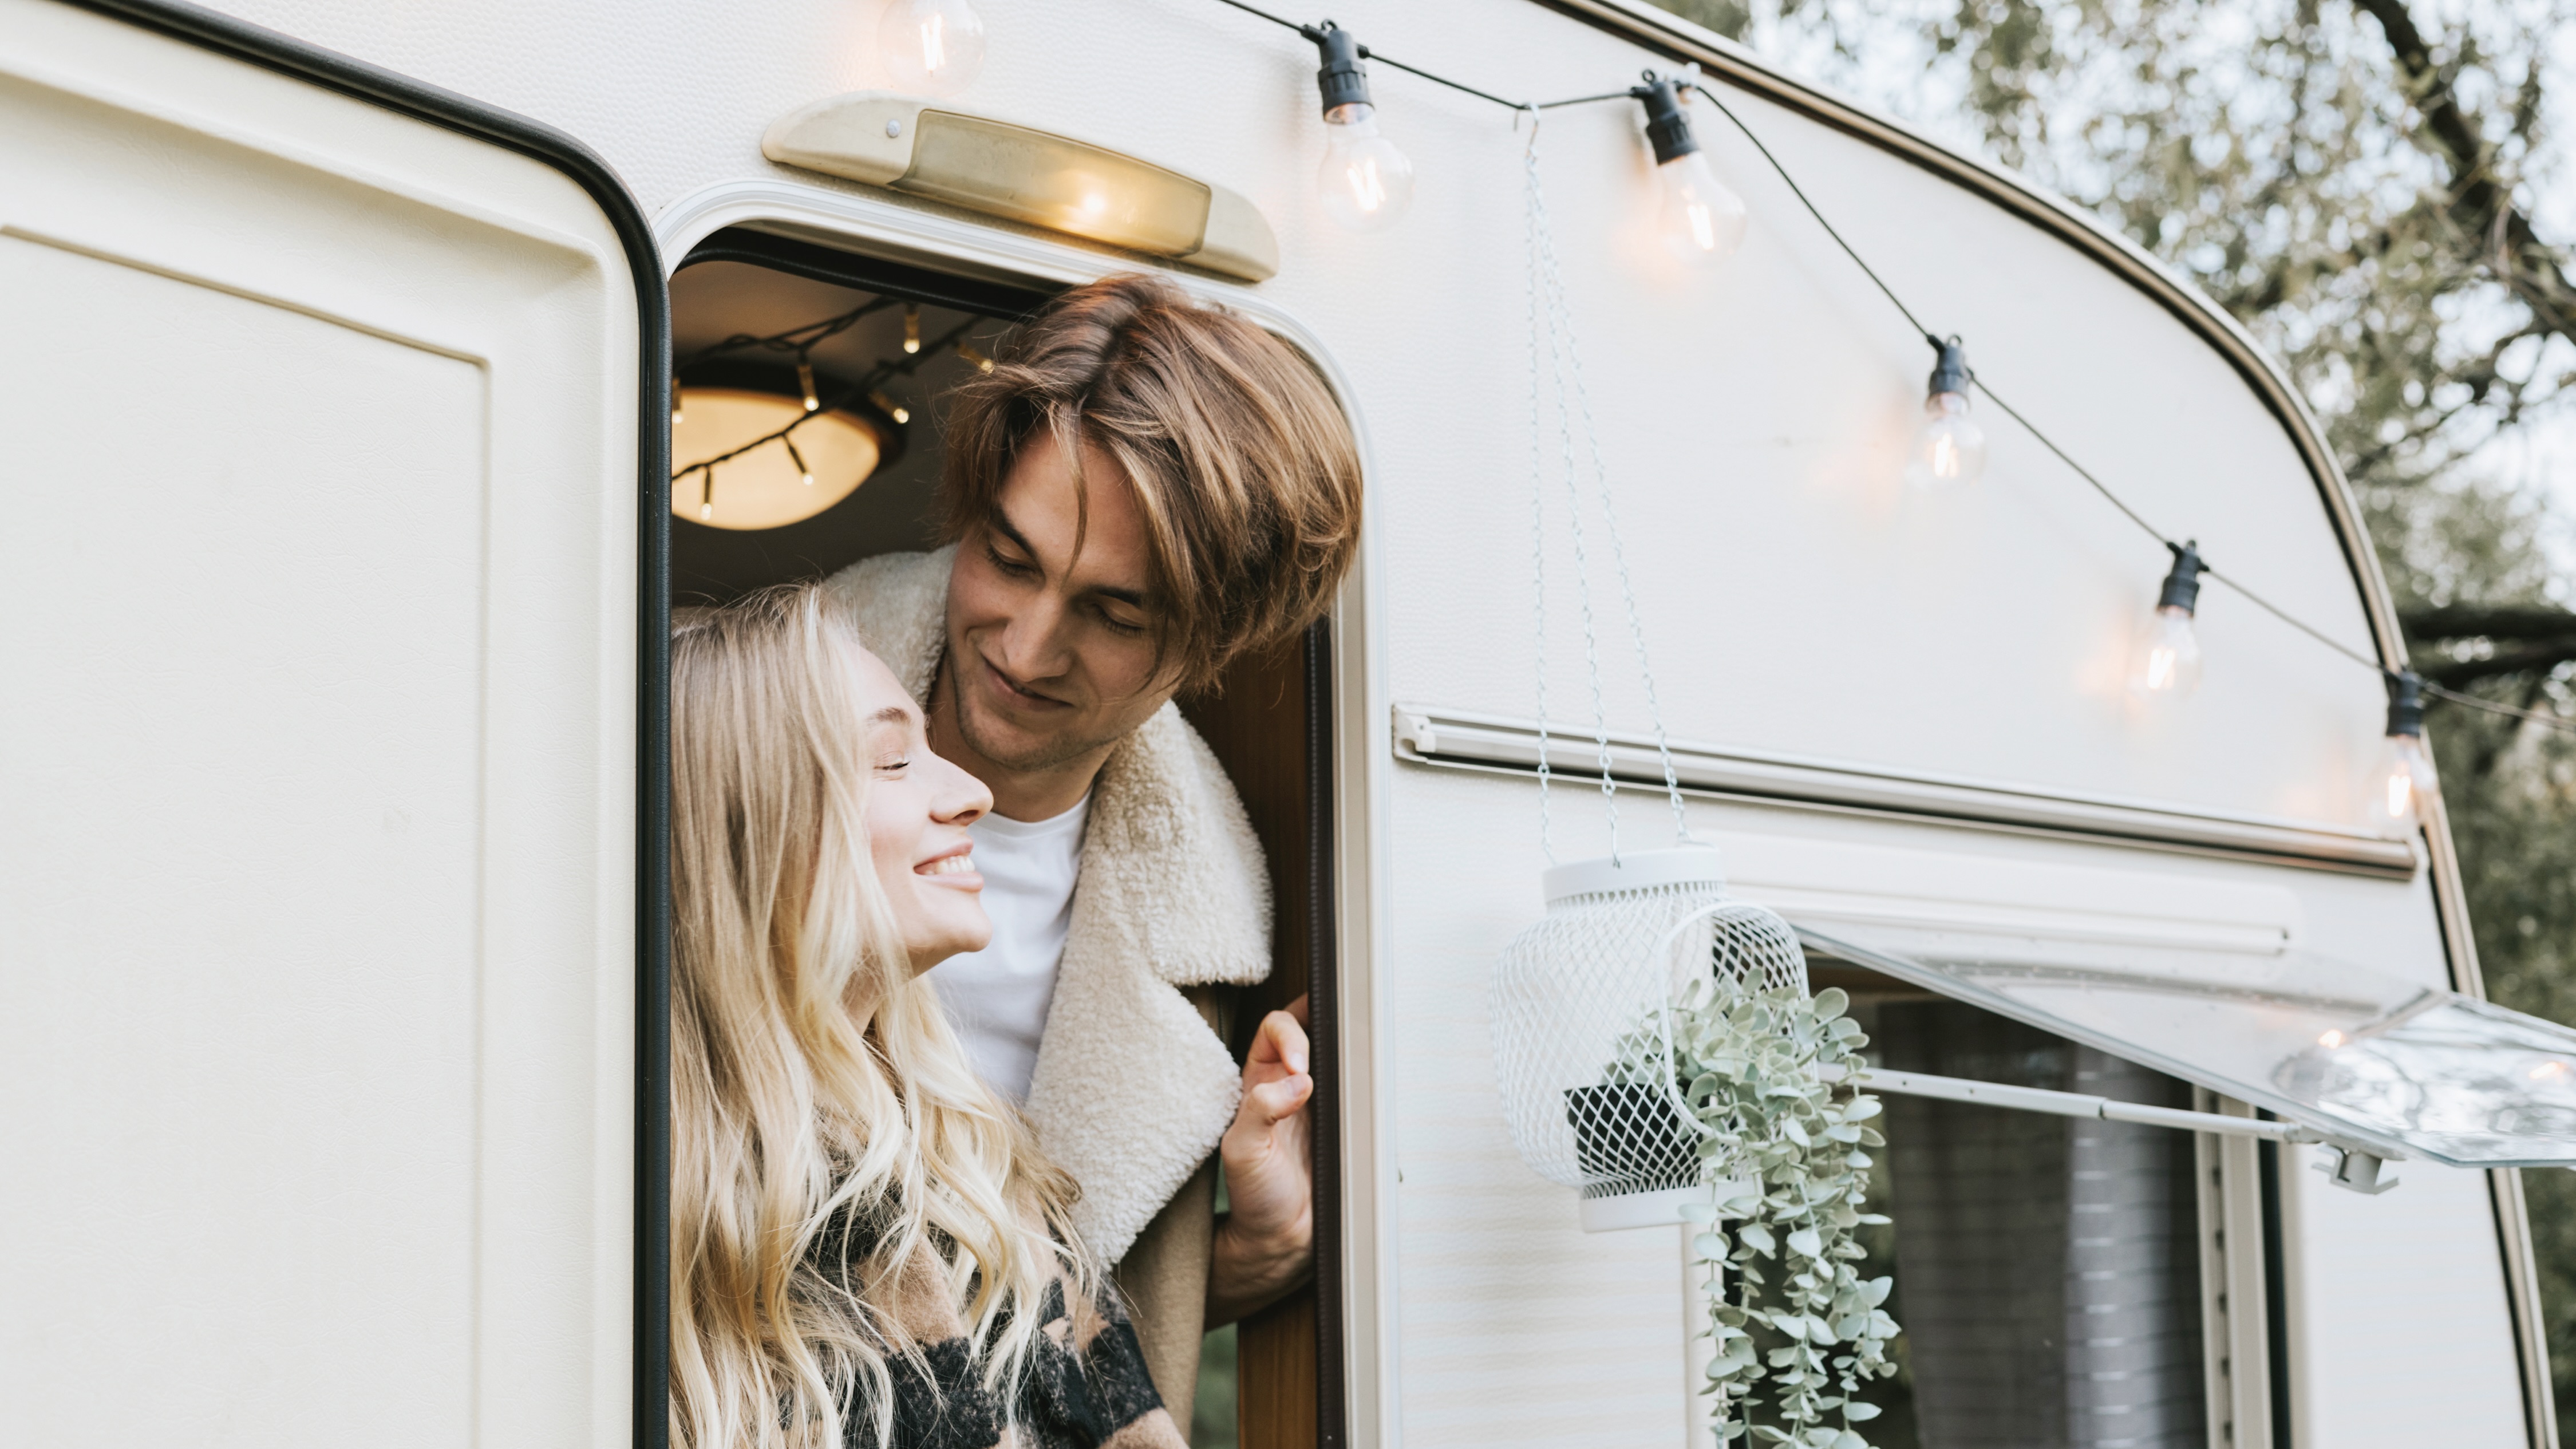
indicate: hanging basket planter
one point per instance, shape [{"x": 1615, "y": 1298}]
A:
[{"x": 1582, "y": 1020}]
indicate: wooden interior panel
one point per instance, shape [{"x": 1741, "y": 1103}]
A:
[{"x": 1262, "y": 724}]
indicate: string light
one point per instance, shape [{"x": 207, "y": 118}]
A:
[
  {"x": 931, "y": 47},
  {"x": 2403, "y": 778},
  {"x": 911, "y": 328},
  {"x": 1949, "y": 448},
  {"x": 707, "y": 496},
  {"x": 2166, "y": 663},
  {"x": 967, "y": 351},
  {"x": 798, "y": 459},
  {"x": 805, "y": 381},
  {"x": 890, "y": 407},
  {"x": 1701, "y": 221},
  {"x": 1366, "y": 184}
]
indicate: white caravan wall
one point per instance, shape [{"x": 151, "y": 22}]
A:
[
  {"x": 316, "y": 959},
  {"x": 1796, "y": 599}
]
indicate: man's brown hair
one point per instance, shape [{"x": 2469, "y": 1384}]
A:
[{"x": 1244, "y": 468}]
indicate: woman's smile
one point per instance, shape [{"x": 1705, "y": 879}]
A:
[{"x": 953, "y": 868}]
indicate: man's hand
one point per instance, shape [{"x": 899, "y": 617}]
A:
[{"x": 1265, "y": 1244}]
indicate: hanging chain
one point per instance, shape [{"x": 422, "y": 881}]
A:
[
  {"x": 1538, "y": 525},
  {"x": 1551, "y": 284},
  {"x": 1566, "y": 366}
]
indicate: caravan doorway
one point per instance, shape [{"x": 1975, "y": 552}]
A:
[{"x": 1269, "y": 1382}]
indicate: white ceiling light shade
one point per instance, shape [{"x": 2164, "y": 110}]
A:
[
  {"x": 765, "y": 487},
  {"x": 1019, "y": 174}
]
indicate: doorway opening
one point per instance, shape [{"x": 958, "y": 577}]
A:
[{"x": 767, "y": 330}]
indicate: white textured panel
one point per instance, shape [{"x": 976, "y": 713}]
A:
[
  {"x": 2400, "y": 1329},
  {"x": 239, "y": 886},
  {"x": 1518, "y": 1328}
]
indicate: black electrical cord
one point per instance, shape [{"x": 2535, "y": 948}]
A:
[
  {"x": 794, "y": 339},
  {"x": 876, "y": 377},
  {"x": 1315, "y": 32}
]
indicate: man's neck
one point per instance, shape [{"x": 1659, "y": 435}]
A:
[{"x": 1018, "y": 794}]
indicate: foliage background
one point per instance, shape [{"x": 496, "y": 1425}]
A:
[{"x": 2367, "y": 186}]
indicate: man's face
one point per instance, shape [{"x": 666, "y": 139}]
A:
[{"x": 1052, "y": 656}]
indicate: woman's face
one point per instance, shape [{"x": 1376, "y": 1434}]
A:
[{"x": 917, "y": 811}]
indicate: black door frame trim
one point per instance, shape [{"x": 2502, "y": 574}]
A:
[{"x": 333, "y": 71}]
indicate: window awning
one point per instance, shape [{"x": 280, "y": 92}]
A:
[{"x": 2406, "y": 1070}]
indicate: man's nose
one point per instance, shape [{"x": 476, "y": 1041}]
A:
[{"x": 1033, "y": 641}]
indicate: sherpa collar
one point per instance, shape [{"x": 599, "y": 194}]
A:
[{"x": 1132, "y": 1089}]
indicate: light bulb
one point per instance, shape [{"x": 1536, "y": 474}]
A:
[
  {"x": 2165, "y": 664},
  {"x": 890, "y": 407},
  {"x": 2399, "y": 783},
  {"x": 1949, "y": 448},
  {"x": 805, "y": 380},
  {"x": 931, "y": 47},
  {"x": 1366, "y": 183},
  {"x": 706, "y": 510},
  {"x": 1702, "y": 221},
  {"x": 911, "y": 329},
  {"x": 2403, "y": 777}
]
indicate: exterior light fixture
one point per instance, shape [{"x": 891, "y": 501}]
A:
[
  {"x": 2403, "y": 777},
  {"x": 1366, "y": 184},
  {"x": 933, "y": 47},
  {"x": 1949, "y": 448},
  {"x": 1701, "y": 221},
  {"x": 1020, "y": 174},
  {"x": 788, "y": 480},
  {"x": 2166, "y": 663}
]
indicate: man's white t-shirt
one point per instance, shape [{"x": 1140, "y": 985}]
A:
[{"x": 998, "y": 997}]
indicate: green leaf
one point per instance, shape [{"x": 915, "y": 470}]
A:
[
  {"x": 1806, "y": 1243},
  {"x": 1862, "y": 1109},
  {"x": 1710, "y": 1246},
  {"x": 1831, "y": 1002},
  {"x": 1760, "y": 1237},
  {"x": 1877, "y": 1289},
  {"x": 1849, "y": 1440},
  {"x": 1858, "y": 1410}
]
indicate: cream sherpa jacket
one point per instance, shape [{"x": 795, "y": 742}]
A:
[{"x": 1133, "y": 1086}]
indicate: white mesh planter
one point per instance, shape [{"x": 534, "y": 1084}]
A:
[{"x": 1582, "y": 1025}]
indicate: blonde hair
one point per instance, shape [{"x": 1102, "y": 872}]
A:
[
  {"x": 1244, "y": 467},
  {"x": 827, "y": 1130}
]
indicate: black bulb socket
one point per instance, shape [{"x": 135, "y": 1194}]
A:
[
  {"x": 1667, "y": 124},
  {"x": 1341, "y": 80},
  {"x": 2182, "y": 586},
  {"x": 2406, "y": 704},
  {"x": 1950, "y": 374}
]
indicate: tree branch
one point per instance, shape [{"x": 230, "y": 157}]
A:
[
  {"x": 2481, "y": 208},
  {"x": 2475, "y": 621}
]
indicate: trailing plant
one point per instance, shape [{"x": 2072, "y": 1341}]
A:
[{"x": 1787, "y": 1155}]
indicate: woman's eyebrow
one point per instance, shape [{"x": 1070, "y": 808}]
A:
[{"x": 893, "y": 714}]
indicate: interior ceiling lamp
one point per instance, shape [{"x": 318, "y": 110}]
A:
[
  {"x": 1702, "y": 222},
  {"x": 906, "y": 144},
  {"x": 933, "y": 47},
  {"x": 1950, "y": 448},
  {"x": 787, "y": 481},
  {"x": 2403, "y": 777},
  {"x": 1366, "y": 183},
  {"x": 2166, "y": 663}
]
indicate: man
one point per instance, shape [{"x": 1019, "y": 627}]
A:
[{"x": 1139, "y": 492}]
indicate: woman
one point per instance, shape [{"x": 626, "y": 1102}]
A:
[{"x": 866, "y": 1247}]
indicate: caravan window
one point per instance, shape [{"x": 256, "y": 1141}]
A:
[{"x": 2048, "y": 1270}]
